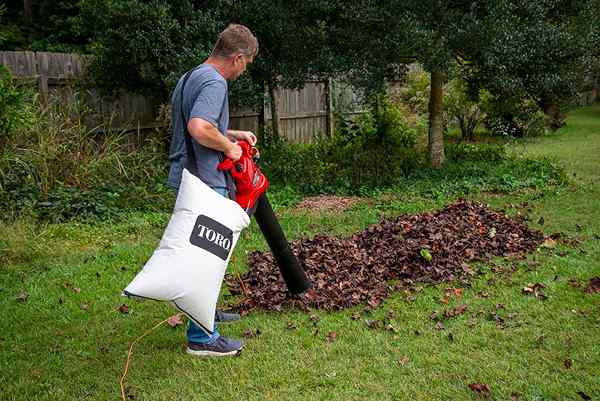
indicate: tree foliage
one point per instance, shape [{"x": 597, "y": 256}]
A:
[{"x": 145, "y": 46}]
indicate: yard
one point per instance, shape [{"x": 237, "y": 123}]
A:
[{"x": 64, "y": 338}]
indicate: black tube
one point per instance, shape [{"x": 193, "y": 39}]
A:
[{"x": 290, "y": 268}]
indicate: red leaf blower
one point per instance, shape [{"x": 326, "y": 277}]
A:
[{"x": 251, "y": 186}]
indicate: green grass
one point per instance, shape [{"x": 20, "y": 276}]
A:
[{"x": 61, "y": 344}]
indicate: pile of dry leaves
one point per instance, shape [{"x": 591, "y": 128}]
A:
[{"x": 429, "y": 247}]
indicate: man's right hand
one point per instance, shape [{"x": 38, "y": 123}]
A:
[{"x": 234, "y": 152}]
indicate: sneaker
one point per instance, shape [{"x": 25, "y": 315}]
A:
[
  {"x": 222, "y": 346},
  {"x": 226, "y": 317}
]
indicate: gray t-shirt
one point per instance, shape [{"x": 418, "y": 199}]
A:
[{"x": 205, "y": 97}]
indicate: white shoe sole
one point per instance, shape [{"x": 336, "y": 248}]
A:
[{"x": 213, "y": 353}]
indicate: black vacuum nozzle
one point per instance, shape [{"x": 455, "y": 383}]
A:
[{"x": 290, "y": 268}]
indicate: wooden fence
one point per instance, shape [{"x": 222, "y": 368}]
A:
[{"x": 303, "y": 113}]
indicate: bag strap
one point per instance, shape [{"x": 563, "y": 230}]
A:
[{"x": 191, "y": 164}]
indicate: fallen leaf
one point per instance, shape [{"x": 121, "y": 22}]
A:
[
  {"x": 457, "y": 311},
  {"x": 536, "y": 290},
  {"x": 314, "y": 318},
  {"x": 355, "y": 316},
  {"x": 439, "y": 326},
  {"x": 402, "y": 360},
  {"x": 568, "y": 363},
  {"x": 22, "y": 297},
  {"x": 515, "y": 397},
  {"x": 425, "y": 254},
  {"x": 123, "y": 309},
  {"x": 549, "y": 243},
  {"x": 492, "y": 232},
  {"x": 77, "y": 289},
  {"x": 85, "y": 306},
  {"x": 373, "y": 324},
  {"x": 331, "y": 336},
  {"x": 291, "y": 326},
  {"x": 593, "y": 285},
  {"x": 479, "y": 388},
  {"x": 251, "y": 333},
  {"x": 175, "y": 320}
]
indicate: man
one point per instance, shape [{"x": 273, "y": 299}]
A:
[{"x": 205, "y": 113}]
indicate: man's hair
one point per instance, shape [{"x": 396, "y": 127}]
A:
[{"x": 235, "y": 39}]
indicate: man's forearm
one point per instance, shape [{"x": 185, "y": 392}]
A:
[{"x": 209, "y": 136}]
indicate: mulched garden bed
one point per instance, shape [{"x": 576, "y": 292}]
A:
[{"x": 427, "y": 247}]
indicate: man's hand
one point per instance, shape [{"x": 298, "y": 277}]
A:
[
  {"x": 247, "y": 136},
  {"x": 233, "y": 152}
]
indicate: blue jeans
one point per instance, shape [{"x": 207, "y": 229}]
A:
[{"x": 194, "y": 333}]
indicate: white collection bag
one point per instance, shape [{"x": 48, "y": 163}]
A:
[{"x": 188, "y": 267}]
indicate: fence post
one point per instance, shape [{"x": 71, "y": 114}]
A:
[
  {"x": 42, "y": 68},
  {"x": 329, "y": 106}
]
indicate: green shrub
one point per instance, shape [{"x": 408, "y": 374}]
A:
[
  {"x": 513, "y": 117},
  {"x": 368, "y": 151},
  {"x": 460, "y": 108},
  {"x": 475, "y": 152},
  {"x": 15, "y": 109},
  {"x": 58, "y": 169},
  {"x": 416, "y": 92}
]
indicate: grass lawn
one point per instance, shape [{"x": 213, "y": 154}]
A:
[{"x": 67, "y": 341}]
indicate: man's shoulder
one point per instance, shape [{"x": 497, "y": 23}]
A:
[{"x": 207, "y": 75}]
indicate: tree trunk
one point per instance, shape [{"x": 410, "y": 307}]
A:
[
  {"x": 436, "y": 120},
  {"x": 261, "y": 118},
  {"x": 274, "y": 112},
  {"x": 555, "y": 118},
  {"x": 27, "y": 10}
]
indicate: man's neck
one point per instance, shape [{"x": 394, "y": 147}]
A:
[{"x": 219, "y": 65}]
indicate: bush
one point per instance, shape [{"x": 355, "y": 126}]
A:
[
  {"x": 460, "y": 108},
  {"x": 478, "y": 152},
  {"x": 371, "y": 150},
  {"x": 15, "y": 110},
  {"x": 57, "y": 169},
  {"x": 513, "y": 117}
]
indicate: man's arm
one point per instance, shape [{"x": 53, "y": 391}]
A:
[{"x": 207, "y": 135}]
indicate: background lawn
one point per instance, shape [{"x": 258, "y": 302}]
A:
[{"x": 67, "y": 341}]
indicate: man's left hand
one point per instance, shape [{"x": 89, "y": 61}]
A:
[{"x": 247, "y": 136}]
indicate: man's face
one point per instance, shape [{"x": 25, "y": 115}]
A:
[{"x": 240, "y": 63}]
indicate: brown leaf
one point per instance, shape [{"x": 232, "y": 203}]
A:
[
  {"x": 355, "y": 316},
  {"x": 251, "y": 333},
  {"x": 331, "y": 336},
  {"x": 314, "y": 318},
  {"x": 593, "y": 285},
  {"x": 77, "y": 289},
  {"x": 373, "y": 324},
  {"x": 568, "y": 363},
  {"x": 479, "y": 388},
  {"x": 515, "y": 397},
  {"x": 123, "y": 309},
  {"x": 402, "y": 360},
  {"x": 291, "y": 326},
  {"x": 175, "y": 320},
  {"x": 439, "y": 326},
  {"x": 85, "y": 306}
]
